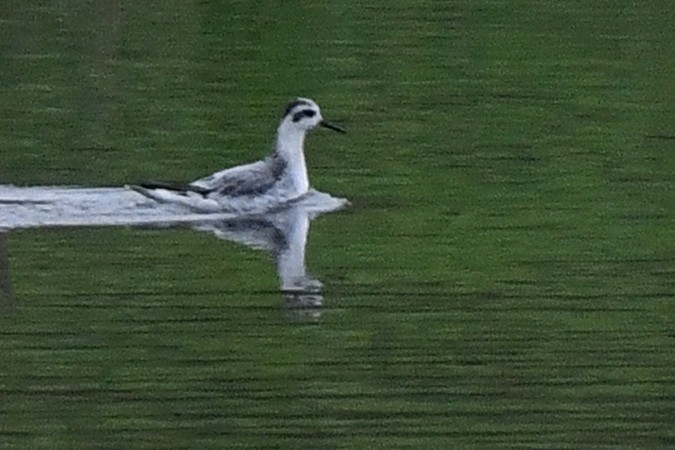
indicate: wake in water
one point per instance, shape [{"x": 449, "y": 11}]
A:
[{"x": 51, "y": 206}]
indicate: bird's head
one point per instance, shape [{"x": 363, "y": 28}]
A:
[{"x": 303, "y": 114}]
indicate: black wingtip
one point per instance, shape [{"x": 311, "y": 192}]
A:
[
  {"x": 151, "y": 184},
  {"x": 175, "y": 187}
]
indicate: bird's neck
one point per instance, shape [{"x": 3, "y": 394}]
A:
[{"x": 290, "y": 147}]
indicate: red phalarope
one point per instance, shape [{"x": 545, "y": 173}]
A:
[{"x": 259, "y": 186}]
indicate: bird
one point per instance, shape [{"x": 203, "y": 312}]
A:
[{"x": 260, "y": 186}]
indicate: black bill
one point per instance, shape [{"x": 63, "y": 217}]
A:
[{"x": 330, "y": 126}]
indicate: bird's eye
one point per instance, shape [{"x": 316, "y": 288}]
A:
[{"x": 304, "y": 113}]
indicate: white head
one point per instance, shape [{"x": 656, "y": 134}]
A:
[{"x": 303, "y": 114}]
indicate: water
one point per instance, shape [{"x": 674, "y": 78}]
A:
[{"x": 503, "y": 278}]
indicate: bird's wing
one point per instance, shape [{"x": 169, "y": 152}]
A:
[
  {"x": 214, "y": 180},
  {"x": 249, "y": 179}
]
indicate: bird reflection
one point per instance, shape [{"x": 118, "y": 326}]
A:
[{"x": 284, "y": 235}]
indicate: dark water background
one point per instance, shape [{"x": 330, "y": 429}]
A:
[{"x": 504, "y": 278}]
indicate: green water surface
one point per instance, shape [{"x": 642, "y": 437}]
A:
[{"x": 504, "y": 278}]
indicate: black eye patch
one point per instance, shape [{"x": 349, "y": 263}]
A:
[{"x": 304, "y": 113}]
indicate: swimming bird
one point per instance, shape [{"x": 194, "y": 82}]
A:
[{"x": 263, "y": 185}]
